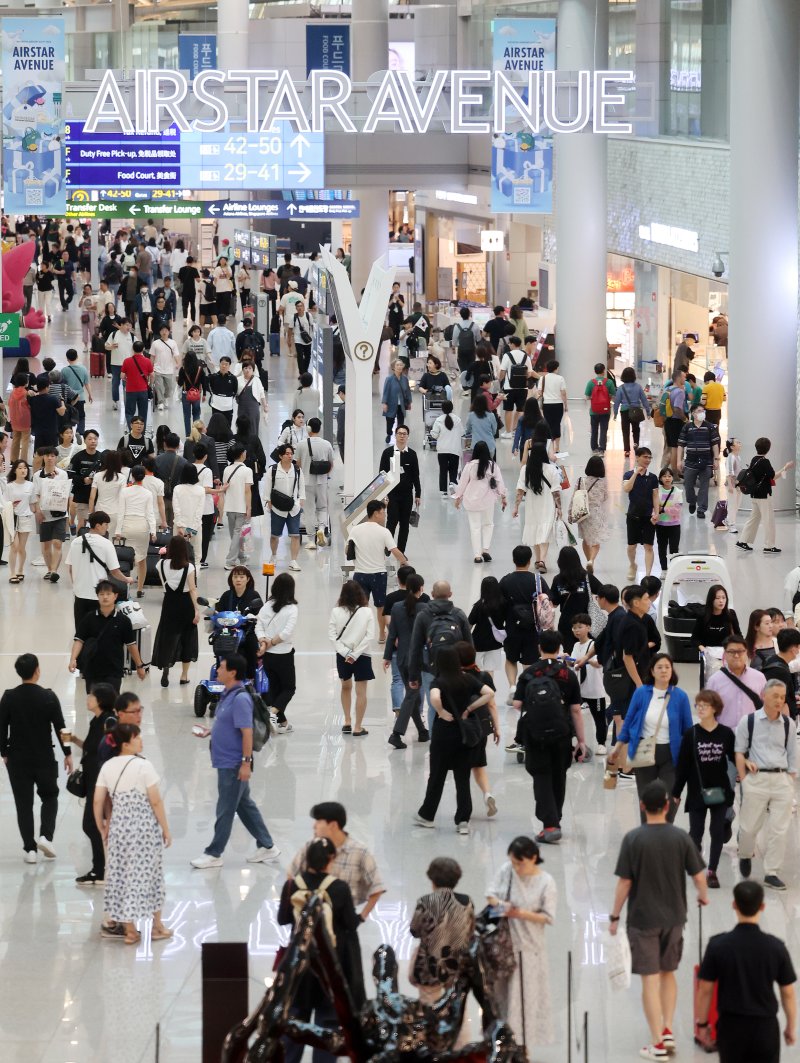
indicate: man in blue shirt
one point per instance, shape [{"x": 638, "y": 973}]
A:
[{"x": 232, "y": 756}]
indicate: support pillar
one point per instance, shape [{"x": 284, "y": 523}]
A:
[
  {"x": 763, "y": 241},
  {"x": 581, "y": 194},
  {"x": 370, "y": 235},
  {"x": 233, "y": 25}
]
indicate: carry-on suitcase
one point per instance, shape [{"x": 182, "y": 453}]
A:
[
  {"x": 125, "y": 557},
  {"x": 713, "y": 1014},
  {"x": 154, "y": 555},
  {"x": 97, "y": 364},
  {"x": 144, "y": 643},
  {"x": 720, "y": 515}
]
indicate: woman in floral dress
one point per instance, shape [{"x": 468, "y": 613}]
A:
[
  {"x": 135, "y": 831},
  {"x": 528, "y": 895},
  {"x": 593, "y": 530}
]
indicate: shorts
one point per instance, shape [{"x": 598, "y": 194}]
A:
[
  {"x": 672, "y": 429},
  {"x": 360, "y": 669},
  {"x": 373, "y": 583},
  {"x": 656, "y": 950},
  {"x": 489, "y": 660},
  {"x": 640, "y": 530},
  {"x": 81, "y": 511},
  {"x": 277, "y": 523},
  {"x": 53, "y": 530},
  {"x": 521, "y": 648},
  {"x": 515, "y": 400}
]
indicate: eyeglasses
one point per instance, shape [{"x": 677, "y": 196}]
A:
[{"x": 736, "y": 653}]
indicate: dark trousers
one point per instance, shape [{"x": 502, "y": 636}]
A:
[
  {"x": 629, "y": 426},
  {"x": 80, "y": 409},
  {"x": 548, "y": 764},
  {"x": 282, "y": 683},
  {"x": 187, "y": 305},
  {"x": 410, "y": 708},
  {"x": 207, "y": 531},
  {"x": 81, "y": 607},
  {"x": 398, "y": 414},
  {"x": 717, "y": 821},
  {"x": 598, "y": 423},
  {"x": 143, "y": 328},
  {"x": 66, "y": 292},
  {"x": 324, "y": 1016},
  {"x": 668, "y": 537},
  {"x": 446, "y": 757},
  {"x": 664, "y": 771},
  {"x": 94, "y": 836},
  {"x": 303, "y": 351},
  {"x": 448, "y": 470},
  {"x": 744, "y": 1039},
  {"x": 397, "y": 514},
  {"x": 24, "y": 775},
  {"x": 597, "y": 710}
]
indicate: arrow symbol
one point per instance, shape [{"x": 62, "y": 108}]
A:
[
  {"x": 302, "y": 172},
  {"x": 213, "y": 209},
  {"x": 291, "y": 209},
  {"x": 135, "y": 210},
  {"x": 299, "y": 142}
]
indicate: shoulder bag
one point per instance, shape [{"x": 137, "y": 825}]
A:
[
  {"x": 316, "y": 466},
  {"x": 193, "y": 393},
  {"x": 635, "y": 413},
  {"x": 495, "y": 938},
  {"x": 143, "y": 375},
  {"x": 645, "y": 755},
  {"x": 712, "y": 795},
  {"x": 279, "y": 499},
  {"x": 756, "y": 700}
]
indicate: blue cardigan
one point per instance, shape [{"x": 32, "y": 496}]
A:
[
  {"x": 679, "y": 717},
  {"x": 396, "y": 392}
]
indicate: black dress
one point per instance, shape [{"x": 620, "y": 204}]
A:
[{"x": 176, "y": 635}]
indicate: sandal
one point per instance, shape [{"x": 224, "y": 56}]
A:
[
  {"x": 132, "y": 940},
  {"x": 347, "y": 729},
  {"x": 13, "y": 579},
  {"x": 361, "y": 733},
  {"x": 162, "y": 934},
  {"x": 540, "y": 566},
  {"x": 185, "y": 682}
]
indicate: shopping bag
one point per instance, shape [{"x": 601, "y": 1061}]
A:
[
  {"x": 566, "y": 431},
  {"x": 618, "y": 959},
  {"x": 563, "y": 535}
]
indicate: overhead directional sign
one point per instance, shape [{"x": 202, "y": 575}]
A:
[
  {"x": 309, "y": 210},
  {"x": 229, "y": 160},
  {"x": 167, "y": 208}
]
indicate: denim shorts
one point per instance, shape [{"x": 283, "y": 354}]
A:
[
  {"x": 372, "y": 583},
  {"x": 278, "y": 523}
]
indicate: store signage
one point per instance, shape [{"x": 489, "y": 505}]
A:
[
  {"x": 456, "y": 197},
  {"x": 328, "y": 48},
  {"x": 532, "y": 97},
  {"x": 492, "y": 240},
  {"x": 670, "y": 235},
  {"x": 196, "y": 52},
  {"x": 9, "y": 330}
]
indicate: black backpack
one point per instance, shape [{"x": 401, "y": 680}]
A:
[
  {"x": 210, "y": 292},
  {"x": 466, "y": 341},
  {"x": 545, "y": 719},
  {"x": 518, "y": 374},
  {"x": 443, "y": 630},
  {"x": 253, "y": 341}
]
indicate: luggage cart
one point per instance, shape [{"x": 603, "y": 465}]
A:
[{"x": 431, "y": 409}]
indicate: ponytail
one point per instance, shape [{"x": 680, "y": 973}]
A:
[
  {"x": 447, "y": 409},
  {"x": 414, "y": 584}
]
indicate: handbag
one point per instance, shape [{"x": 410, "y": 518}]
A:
[
  {"x": 645, "y": 755},
  {"x": 193, "y": 394},
  {"x": 85, "y": 319},
  {"x": 579, "y": 503},
  {"x": 543, "y": 612},
  {"x": 495, "y": 937},
  {"x": 76, "y": 783},
  {"x": 635, "y": 413},
  {"x": 712, "y": 795},
  {"x": 413, "y": 518}
]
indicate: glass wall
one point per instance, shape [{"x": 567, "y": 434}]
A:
[{"x": 696, "y": 101}]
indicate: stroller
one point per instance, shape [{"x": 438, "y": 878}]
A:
[{"x": 227, "y": 631}]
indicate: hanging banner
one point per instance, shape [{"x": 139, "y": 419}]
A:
[
  {"x": 328, "y": 48},
  {"x": 522, "y": 161},
  {"x": 33, "y": 124},
  {"x": 196, "y": 52}
]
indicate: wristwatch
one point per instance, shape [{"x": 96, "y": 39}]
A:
[
  {"x": 701, "y": 1025},
  {"x": 247, "y": 760},
  {"x": 613, "y": 919}
]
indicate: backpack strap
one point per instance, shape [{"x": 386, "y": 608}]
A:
[
  {"x": 300, "y": 881},
  {"x": 326, "y": 882}
]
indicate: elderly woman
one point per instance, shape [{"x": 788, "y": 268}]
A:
[
  {"x": 396, "y": 398},
  {"x": 443, "y": 922}
]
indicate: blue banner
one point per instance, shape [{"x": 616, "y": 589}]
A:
[
  {"x": 522, "y": 162},
  {"x": 33, "y": 123},
  {"x": 328, "y": 48},
  {"x": 196, "y": 52}
]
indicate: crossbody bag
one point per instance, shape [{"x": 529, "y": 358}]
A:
[
  {"x": 645, "y": 755},
  {"x": 317, "y": 467},
  {"x": 143, "y": 375},
  {"x": 279, "y": 499},
  {"x": 635, "y": 413},
  {"x": 756, "y": 700},
  {"x": 712, "y": 795}
]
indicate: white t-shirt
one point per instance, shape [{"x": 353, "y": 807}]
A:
[
  {"x": 651, "y": 718},
  {"x": 552, "y": 386},
  {"x": 172, "y": 577},
  {"x": 205, "y": 478},
  {"x": 86, "y": 573},
  {"x": 155, "y": 485},
  {"x": 188, "y": 501},
  {"x": 127, "y": 773},
  {"x": 108, "y": 491},
  {"x": 287, "y": 305},
  {"x": 291, "y": 482},
  {"x": 302, "y": 321},
  {"x": 592, "y": 685},
  {"x": 235, "y": 501},
  {"x": 371, "y": 541},
  {"x": 165, "y": 357},
  {"x": 733, "y": 465},
  {"x": 517, "y": 357},
  {"x": 51, "y": 493},
  {"x": 19, "y": 495}
]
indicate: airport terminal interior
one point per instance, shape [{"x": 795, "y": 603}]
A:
[{"x": 627, "y": 247}]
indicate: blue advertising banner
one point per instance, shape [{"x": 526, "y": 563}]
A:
[
  {"x": 328, "y": 48},
  {"x": 33, "y": 124},
  {"x": 196, "y": 52},
  {"x": 522, "y": 162}
]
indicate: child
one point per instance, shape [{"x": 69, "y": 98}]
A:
[
  {"x": 733, "y": 466},
  {"x": 668, "y": 516},
  {"x": 275, "y": 336},
  {"x": 591, "y": 679}
]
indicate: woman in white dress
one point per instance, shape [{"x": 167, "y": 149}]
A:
[
  {"x": 19, "y": 489},
  {"x": 539, "y": 485},
  {"x": 136, "y": 833},
  {"x": 136, "y": 522},
  {"x": 107, "y": 483},
  {"x": 528, "y": 895}
]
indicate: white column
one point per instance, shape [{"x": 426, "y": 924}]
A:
[
  {"x": 763, "y": 212},
  {"x": 369, "y": 38},
  {"x": 581, "y": 207},
  {"x": 94, "y": 231},
  {"x": 370, "y": 235},
  {"x": 233, "y": 24}
]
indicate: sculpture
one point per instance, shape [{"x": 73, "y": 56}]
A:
[{"x": 16, "y": 264}]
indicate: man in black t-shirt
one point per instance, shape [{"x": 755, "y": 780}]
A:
[
  {"x": 497, "y": 327},
  {"x": 641, "y": 487},
  {"x": 548, "y": 761},
  {"x": 398, "y": 690},
  {"x": 105, "y": 634},
  {"x": 82, "y": 467},
  {"x": 46, "y": 409},
  {"x": 518, "y": 589},
  {"x": 745, "y": 964}
]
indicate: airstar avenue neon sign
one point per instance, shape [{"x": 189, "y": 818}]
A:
[{"x": 158, "y": 97}]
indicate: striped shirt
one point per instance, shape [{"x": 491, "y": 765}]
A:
[{"x": 698, "y": 443}]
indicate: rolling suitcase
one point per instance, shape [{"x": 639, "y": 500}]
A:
[
  {"x": 713, "y": 1014},
  {"x": 125, "y": 557},
  {"x": 97, "y": 364},
  {"x": 720, "y": 515},
  {"x": 154, "y": 555}
]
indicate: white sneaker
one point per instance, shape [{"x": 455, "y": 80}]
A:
[
  {"x": 491, "y": 805},
  {"x": 631, "y": 573},
  {"x": 462, "y": 828},
  {"x": 39, "y": 561},
  {"x": 204, "y": 861},
  {"x": 46, "y": 847},
  {"x": 310, "y": 545},
  {"x": 733, "y": 531},
  {"x": 273, "y": 560},
  {"x": 30, "y": 857},
  {"x": 420, "y": 822},
  {"x": 115, "y": 406},
  {"x": 264, "y": 856},
  {"x": 161, "y": 405},
  {"x": 600, "y": 751},
  {"x": 510, "y": 698},
  {"x": 283, "y": 728},
  {"x": 293, "y": 565},
  {"x": 452, "y": 488}
]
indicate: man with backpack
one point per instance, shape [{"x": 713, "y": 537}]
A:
[
  {"x": 252, "y": 341},
  {"x": 498, "y": 327},
  {"x": 515, "y": 370},
  {"x": 548, "y": 696},
  {"x": 672, "y": 407},
  {"x": 519, "y": 589},
  {"x": 232, "y": 757},
  {"x": 437, "y": 624},
  {"x": 599, "y": 391},
  {"x": 466, "y": 336}
]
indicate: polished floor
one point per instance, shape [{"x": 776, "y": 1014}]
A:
[{"x": 70, "y": 997}]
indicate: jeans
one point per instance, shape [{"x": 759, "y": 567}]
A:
[
  {"x": 136, "y": 403},
  {"x": 599, "y": 430},
  {"x": 398, "y": 687},
  {"x": 233, "y": 799},
  {"x": 629, "y": 426},
  {"x": 303, "y": 356},
  {"x": 191, "y": 412},
  {"x": 23, "y": 775},
  {"x": 697, "y": 478},
  {"x": 410, "y": 706},
  {"x": 115, "y": 375}
]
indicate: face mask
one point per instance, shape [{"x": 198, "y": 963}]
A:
[{"x": 700, "y": 416}]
